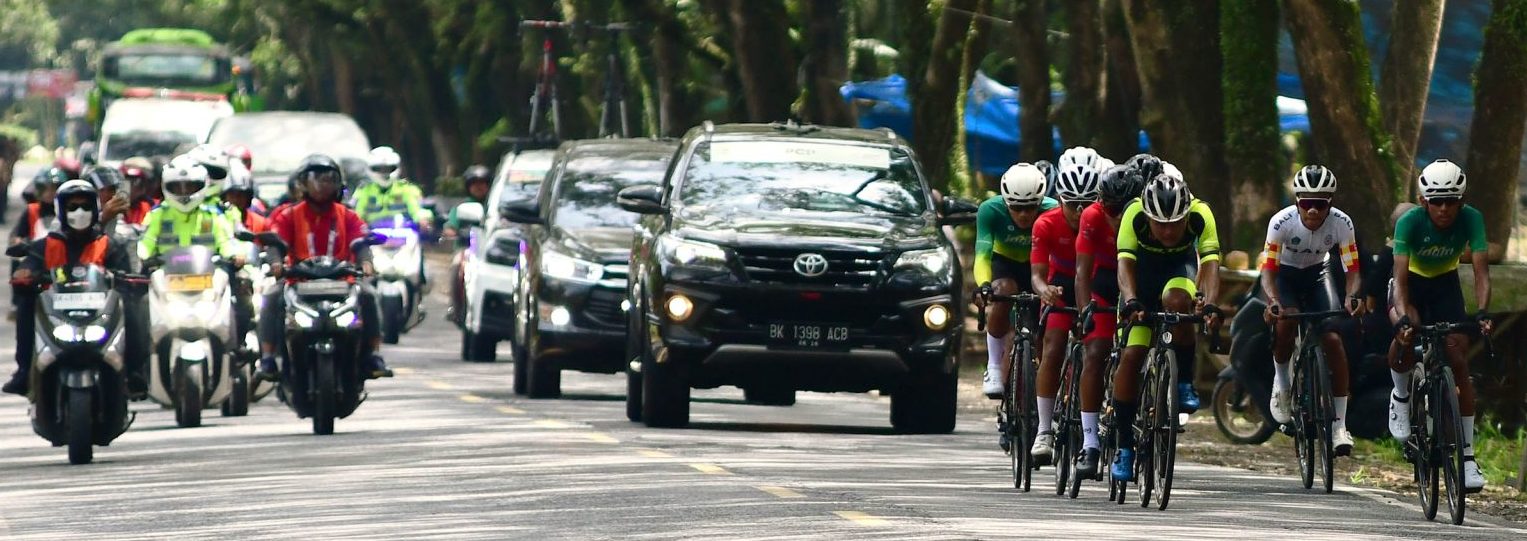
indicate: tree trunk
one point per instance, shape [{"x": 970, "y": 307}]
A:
[
  {"x": 1406, "y": 75},
  {"x": 826, "y": 62},
  {"x": 1346, "y": 130},
  {"x": 1118, "y": 137},
  {"x": 1084, "y": 74},
  {"x": 1500, "y": 117},
  {"x": 765, "y": 60},
  {"x": 1035, "y": 140},
  {"x": 977, "y": 41},
  {"x": 934, "y": 118},
  {"x": 1177, "y": 52},
  {"x": 1251, "y": 114}
]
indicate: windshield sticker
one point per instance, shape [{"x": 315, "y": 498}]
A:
[{"x": 793, "y": 152}]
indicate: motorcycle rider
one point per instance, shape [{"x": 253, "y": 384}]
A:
[
  {"x": 79, "y": 240},
  {"x": 108, "y": 183},
  {"x": 185, "y": 218},
  {"x": 138, "y": 172},
  {"x": 478, "y": 180},
  {"x": 319, "y": 210},
  {"x": 239, "y": 194},
  {"x": 388, "y": 194}
]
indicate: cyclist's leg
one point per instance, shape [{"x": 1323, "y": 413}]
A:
[
  {"x": 1322, "y": 297},
  {"x": 1126, "y": 400},
  {"x": 1178, "y": 296},
  {"x": 1095, "y": 348},
  {"x": 999, "y": 332},
  {"x": 1290, "y": 282},
  {"x": 1445, "y": 304},
  {"x": 1053, "y": 353}
]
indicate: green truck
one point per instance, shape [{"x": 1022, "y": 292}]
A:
[{"x": 175, "y": 63}]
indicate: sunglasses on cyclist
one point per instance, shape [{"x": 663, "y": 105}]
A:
[
  {"x": 1314, "y": 203},
  {"x": 1076, "y": 206},
  {"x": 78, "y": 205},
  {"x": 1023, "y": 208},
  {"x": 1444, "y": 201}
]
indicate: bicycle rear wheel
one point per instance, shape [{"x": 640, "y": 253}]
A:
[
  {"x": 1450, "y": 444},
  {"x": 1323, "y": 414},
  {"x": 1420, "y": 449},
  {"x": 1166, "y": 426},
  {"x": 1304, "y": 422},
  {"x": 1018, "y": 408}
]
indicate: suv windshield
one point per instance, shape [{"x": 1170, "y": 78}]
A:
[
  {"x": 775, "y": 177},
  {"x": 586, "y": 191}
]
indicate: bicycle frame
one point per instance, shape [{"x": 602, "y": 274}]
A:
[
  {"x": 1313, "y": 411},
  {"x": 1436, "y": 441},
  {"x": 1017, "y": 419},
  {"x": 1155, "y": 460}
]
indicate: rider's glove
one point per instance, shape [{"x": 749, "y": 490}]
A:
[
  {"x": 1210, "y": 310},
  {"x": 1483, "y": 317},
  {"x": 1130, "y": 308},
  {"x": 1402, "y": 324},
  {"x": 986, "y": 289}
]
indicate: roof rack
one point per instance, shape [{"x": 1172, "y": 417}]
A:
[
  {"x": 710, "y": 129},
  {"x": 792, "y": 124}
]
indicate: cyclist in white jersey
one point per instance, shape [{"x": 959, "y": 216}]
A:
[{"x": 1294, "y": 278}]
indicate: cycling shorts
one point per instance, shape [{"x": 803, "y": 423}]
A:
[
  {"x": 1154, "y": 278},
  {"x": 1437, "y": 300},
  {"x": 1104, "y": 324},
  {"x": 1002, "y": 267},
  {"x": 1059, "y": 319},
  {"x": 1306, "y": 290}
]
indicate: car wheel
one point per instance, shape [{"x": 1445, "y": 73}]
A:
[
  {"x": 521, "y": 369},
  {"x": 479, "y": 347},
  {"x": 544, "y": 379},
  {"x": 769, "y": 396},
  {"x": 925, "y": 405},
  {"x": 633, "y": 396},
  {"x": 665, "y": 394}
]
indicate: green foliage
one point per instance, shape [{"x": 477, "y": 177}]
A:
[
  {"x": 450, "y": 187},
  {"x": 24, "y": 137},
  {"x": 28, "y": 34},
  {"x": 1499, "y": 454}
]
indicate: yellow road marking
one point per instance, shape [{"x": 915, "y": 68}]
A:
[
  {"x": 402, "y": 371},
  {"x": 600, "y": 438},
  {"x": 861, "y": 518},
  {"x": 710, "y": 469},
  {"x": 472, "y": 398},
  {"x": 780, "y": 492},
  {"x": 653, "y": 454},
  {"x": 549, "y": 423},
  {"x": 511, "y": 410},
  {"x": 440, "y": 385}
]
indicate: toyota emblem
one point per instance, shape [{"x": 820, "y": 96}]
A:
[{"x": 811, "y": 265}]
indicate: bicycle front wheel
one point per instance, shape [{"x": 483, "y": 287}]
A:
[
  {"x": 1450, "y": 444},
  {"x": 1166, "y": 426},
  {"x": 1020, "y": 406},
  {"x": 1324, "y": 414},
  {"x": 1304, "y": 422},
  {"x": 1145, "y": 433},
  {"x": 1420, "y": 449}
]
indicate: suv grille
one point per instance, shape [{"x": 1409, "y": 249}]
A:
[
  {"x": 777, "y": 265},
  {"x": 603, "y": 307}
]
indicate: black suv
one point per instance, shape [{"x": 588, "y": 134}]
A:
[
  {"x": 785, "y": 257},
  {"x": 573, "y": 277}
]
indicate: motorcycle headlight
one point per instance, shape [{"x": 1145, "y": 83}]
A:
[
  {"x": 67, "y": 333},
  {"x": 303, "y": 319},
  {"x": 564, "y": 267},
  {"x": 691, "y": 253},
  {"x": 935, "y": 261},
  {"x": 346, "y": 319},
  {"x": 95, "y": 333}
]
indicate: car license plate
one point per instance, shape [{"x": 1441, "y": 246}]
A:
[
  {"x": 189, "y": 282},
  {"x": 808, "y": 336}
]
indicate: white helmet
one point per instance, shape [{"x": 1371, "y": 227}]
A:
[
  {"x": 384, "y": 163},
  {"x": 1315, "y": 179},
  {"x": 1023, "y": 185},
  {"x": 1077, "y": 179},
  {"x": 211, "y": 158},
  {"x": 1104, "y": 164},
  {"x": 185, "y": 184},
  {"x": 1442, "y": 179},
  {"x": 1166, "y": 199},
  {"x": 1171, "y": 170}
]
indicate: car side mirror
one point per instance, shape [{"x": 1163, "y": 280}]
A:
[
  {"x": 644, "y": 199},
  {"x": 470, "y": 212},
  {"x": 522, "y": 212},
  {"x": 956, "y": 211}
]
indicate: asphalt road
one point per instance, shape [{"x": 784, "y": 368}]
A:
[{"x": 446, "y": 451}]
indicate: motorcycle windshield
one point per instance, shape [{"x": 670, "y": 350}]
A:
[
  {"x": 188, "y": 269},
  {"x": 396, "y": 236},
  {"x": 396, "y": 221}
]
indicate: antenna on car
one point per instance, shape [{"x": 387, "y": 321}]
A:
[{"x": 710, "y": 129}]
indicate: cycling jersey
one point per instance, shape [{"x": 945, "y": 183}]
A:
[
  {"x": 1434, "y": 252},
  {"x": 1097, "y": 237},
  {"x": 1055, "y": 244},
  {"x": 996, "y": 234},
  {"x": 1291, "y": 244},
  {"x": 1202, "y": 237}
]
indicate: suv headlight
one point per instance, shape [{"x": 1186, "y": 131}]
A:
[
  {"x": 691, "y": 253},
  {"x": 564, "y": 267},
  {"x": 935, "y": 261}
]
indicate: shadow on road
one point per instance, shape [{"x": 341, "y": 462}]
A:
[{"x": 792, "y": 428}]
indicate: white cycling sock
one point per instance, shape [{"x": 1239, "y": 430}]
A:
[
  {"x": 1046, "y": 413},
  {"x": 1468, "y": 435},
  {"x": 994, "y": 353},
  {"x": 1401, "y": 383},
  {"x": 1283, "y": 376},
  {"x": 1340, "y": 404},
  {"x": 1090, "y": 430}
]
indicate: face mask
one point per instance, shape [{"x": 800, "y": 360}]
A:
[{"x": 79, "y": 219}]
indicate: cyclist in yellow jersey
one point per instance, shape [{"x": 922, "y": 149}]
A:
[{"x": 1166, "y": 238}]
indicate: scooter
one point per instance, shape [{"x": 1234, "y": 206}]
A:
[
  {"x": 322, "y": 378},
  {"x": 398, "y": 267},
  {"x": 78, "y": 381},
  {"x": 256, "y": 279},
  {"x": 192, "y": 329}
]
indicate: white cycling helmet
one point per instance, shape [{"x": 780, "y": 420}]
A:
[
  {"x": 1023, "y": 185},
  {"x": 384, "y": 163},
  {"x": 1077, "y": 178},
  {"x": 1171, "y": 170},
  {"x": 1442, "y": 179},
  {"x": 1166, "y": 199},
  {"x": 1104, "y": 164},
  {"x": 1315, "y": 179},
  {"x": 185, "y": 184}
]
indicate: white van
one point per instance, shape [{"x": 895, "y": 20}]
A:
[{"x": 156, "y": 126}]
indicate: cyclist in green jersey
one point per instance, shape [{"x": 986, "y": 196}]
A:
[
  {"x": 1429, "y": 241},
  {"x": 1003, "y": 240},
  {"x": 1166, "y": 238}
]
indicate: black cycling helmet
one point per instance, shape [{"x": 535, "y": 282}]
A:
[
  {"x": 1148, "y": 165},
  {"x": 1050, "y": 172},
  {"x": 476, "y": 173},
  {"x": 103, "y": 177},
  {"x": 1119, "y": 185}
]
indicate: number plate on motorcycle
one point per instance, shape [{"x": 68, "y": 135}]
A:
[
  {"x": 189, "y": 282},
  {"x": 79, "y": 301},
  {"x": 808, "y": 336},
  {"x": 323, "y": 288}
]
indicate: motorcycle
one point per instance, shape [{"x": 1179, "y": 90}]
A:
[
  {"x": 322, "y": 378},
  {"x": 192, "y": 329},
  {"x": 78, "y": 380},
  {"x": 398, "y": 263},
  {"x": 256, "y": 280}
]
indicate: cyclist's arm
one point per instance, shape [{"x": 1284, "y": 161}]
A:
[
  {"x": 1039, "y": 257},
  {"x": 1481, "y": 265},
  {"x": 984, "y": 226},
  {"x": 1350, "y": 257},
  {"x": 1127, "y": 278},
  {"x": 1127, "y": 243},
  {"x": 1402, "y": 285},
  {"x": 1208, "y": 280},
  {"x": 1084, "y": 272},
  {"x": 1270, "y": 254},
  {"x": 1208, "y": 256},
  {"x": 148, "y": 244},
  {"x": 421, "y": 215},
  {"x": 1270, "y": 285}
]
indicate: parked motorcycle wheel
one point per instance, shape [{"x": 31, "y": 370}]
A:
[
  {"x": 1237, "y": 416},
  {"x": 81, "y": 426},
  {"x": 237, "y": 404},
  {"x": 188, "y": 402},
  {"x": 325, "y": 401},
  {"x": 392, "y": 319}
]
